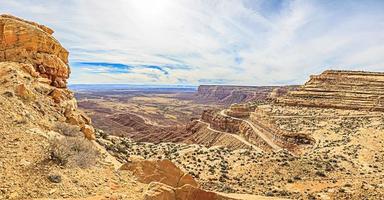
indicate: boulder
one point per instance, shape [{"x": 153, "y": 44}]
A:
[
  {"x": 163, "y": 171},
  {"x": 89, "y": 132},
  {"x": 23, "y": 92},
  {"x": 57, "y": 95}
]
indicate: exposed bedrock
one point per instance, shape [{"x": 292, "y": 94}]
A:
[
  {"x": 220, "y": 122},
  {"x": 200, "y": 134},
  {"x": 33, "y": 60},
  {"x": 355, "y": 90},
  {"x": 30, "y": 43},
  {"x": 241, "y": 110}
]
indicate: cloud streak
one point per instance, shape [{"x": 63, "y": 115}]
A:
[{"x": 249, "y": 42}]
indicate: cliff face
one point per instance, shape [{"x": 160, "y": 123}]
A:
[
  {"x": 35, "y": 67},
  {"x": 220, "y": 122},
  {"x": 31, "y": 43},
  {"x": 43, "y": 58},
  {"x": 353, "y": 90},
  {"x": 225, "y": 94}
]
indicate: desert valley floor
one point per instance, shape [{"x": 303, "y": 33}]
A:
[{"x": 253, "y": 145}]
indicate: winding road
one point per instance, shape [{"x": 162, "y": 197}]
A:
[
  {"x": 238, "y": 137},
  {"x": 256, "y": 130}
]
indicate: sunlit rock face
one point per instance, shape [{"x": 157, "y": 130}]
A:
[
  {"x": 35, "y": 61},
  {"x": 30, "y": 43}
]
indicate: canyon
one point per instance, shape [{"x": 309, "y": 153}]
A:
[
  {"x": 292, "y": 151},
  {"x": 321, "y": 140},
  {"x": 49, "y": 147}
]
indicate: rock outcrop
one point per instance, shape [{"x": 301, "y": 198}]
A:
[
  {"x": 31, "y": 43},
  {"x": 167, "y": 182},
  {"x": 35, "y": 64},
  {"x": 355, "y": 90},
  {"x": 163, "y": 171},
  {"x": 241, "y": 110},
  {"x": 42, "y": 156},
  {"x": 220, "y": 122}
]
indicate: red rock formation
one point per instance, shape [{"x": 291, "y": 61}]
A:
[{"x": 241, "y": 110}]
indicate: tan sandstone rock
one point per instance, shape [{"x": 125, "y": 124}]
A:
[
  {"x": 31, "y": 43},
  {"x": 89, "y": 132},
  {"x": 25, "y": 93},
  {"x": 32, "y": 50},
  {"x": 341, "y": 89},
  {"x": 160, "y": 191},
  {"x": 163, "y": 171}
]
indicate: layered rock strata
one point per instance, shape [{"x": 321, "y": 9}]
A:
[
  {"x": 355, "y": 90},
  {"x": 201, "y": 134},
  {"x": 288, "y": 140},
  {"x": 30, "y": 43},
  {"x": 241, "y": 110},
  {"x": 220, "y": 122},
  {"x": 227, "y": 94}
]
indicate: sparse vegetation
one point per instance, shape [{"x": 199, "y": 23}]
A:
[
  {"x": 73, "y": 152},
  {"x": 67, "y": 129}
]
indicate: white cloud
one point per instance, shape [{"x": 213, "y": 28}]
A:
[{"x": 250, "y": 42}]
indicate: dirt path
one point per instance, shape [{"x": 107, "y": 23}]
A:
[
  {"x": 238, "y": 137},
  {"x": 256, "y": 130}
]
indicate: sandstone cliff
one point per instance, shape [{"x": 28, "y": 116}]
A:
[
  {"x": 31, "y": 43},
  {"x": 40, "y": 68},
  {"x": 355, "y": 90}
]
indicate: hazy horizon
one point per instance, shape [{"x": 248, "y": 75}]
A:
[{"x": 196, "y": 42}]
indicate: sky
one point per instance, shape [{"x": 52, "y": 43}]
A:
[{"x": 193, "y": 42}]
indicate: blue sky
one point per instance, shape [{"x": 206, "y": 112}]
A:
[{"x": 249, "y": 42}]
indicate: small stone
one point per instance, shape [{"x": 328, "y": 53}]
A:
[
  {"x": 24, "y": 162},
  {"x": 54, "y": 178},
  {"x": 9, "y": 94}
]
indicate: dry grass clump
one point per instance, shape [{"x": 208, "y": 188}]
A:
[
  {"x": 67, "y": 129},
  {"x": 73, "y": 152}
]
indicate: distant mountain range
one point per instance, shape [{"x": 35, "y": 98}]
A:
[{"x": 132, "y": 87}]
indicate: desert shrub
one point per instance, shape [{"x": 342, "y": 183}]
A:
[
  {"x": 67, "y": 129},
  {"x": 73, "y": 152}
]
